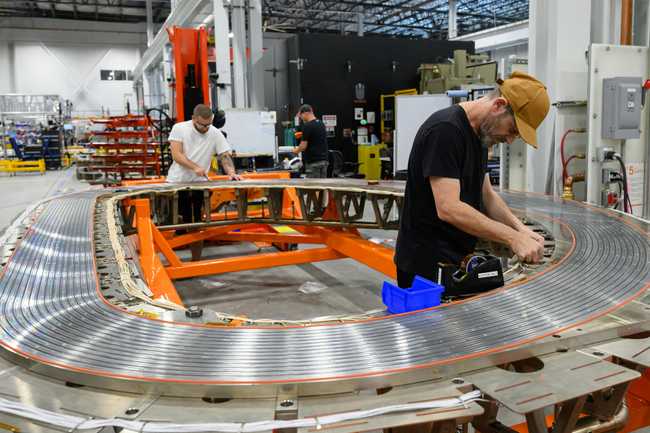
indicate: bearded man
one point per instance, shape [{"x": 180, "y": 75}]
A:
[{"x": 449, "y": 201}]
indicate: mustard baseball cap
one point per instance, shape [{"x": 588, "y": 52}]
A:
[{"x": 529, "y": 101}]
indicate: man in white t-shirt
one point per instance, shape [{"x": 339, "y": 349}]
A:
[{"x": 193, "y": 143}]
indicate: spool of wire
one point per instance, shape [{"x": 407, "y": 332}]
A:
[{"x": 473, "y": 262}]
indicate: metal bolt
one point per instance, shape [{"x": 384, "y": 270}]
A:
[
  {"x": 194, "y": 312},
  {"x": 287, "y": 403}
]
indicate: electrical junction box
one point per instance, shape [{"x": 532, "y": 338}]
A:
[{"x": 622, "y": 107}]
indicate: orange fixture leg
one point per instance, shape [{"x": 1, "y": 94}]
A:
[
  {"x": 152, "y": 268},
  {"x": 257, "y": 261},
  {"x": 351, "y": 244}
]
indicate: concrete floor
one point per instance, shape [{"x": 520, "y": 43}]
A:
[
  {"x": 346, "y": 287},
  {"x": 25, "y": 189}
]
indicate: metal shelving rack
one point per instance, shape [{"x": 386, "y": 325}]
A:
[
  {"x": 29, "y": 115},
  {"x": 126, "y": 149}
]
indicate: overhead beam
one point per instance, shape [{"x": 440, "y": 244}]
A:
[
  {"x": 149, "y": 8},
  {"x": 180, "y": 15},
  {"x": 452, "y": 23},
  {"x": 317, "y": 19}
]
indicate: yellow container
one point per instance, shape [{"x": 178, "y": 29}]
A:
[
  {"x": 13, "y": 166},
  {"x": 370, "y": 159}
]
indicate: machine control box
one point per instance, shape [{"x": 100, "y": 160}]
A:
[{"x": 622, "y": 106}]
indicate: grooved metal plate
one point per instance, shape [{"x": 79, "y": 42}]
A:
[
  {"x": 632, "y": 350},
  {"x": 51, "y": 310},
  {"x": 564, "y": 376}
]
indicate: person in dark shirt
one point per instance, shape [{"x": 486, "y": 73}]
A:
[
  {"x": 449, "y": 202},
  {"x": 313, "y": 144}
]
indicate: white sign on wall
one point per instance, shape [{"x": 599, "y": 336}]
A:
[
  {"x": 329, "y": 120},
  {"x": 410, "y": 113},
  {"x": 250, "y": 131}
]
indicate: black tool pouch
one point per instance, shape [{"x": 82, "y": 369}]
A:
[{"x": 482, "y": 278}]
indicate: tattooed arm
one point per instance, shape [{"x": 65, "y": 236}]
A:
[{"x": 228, "y": 166}]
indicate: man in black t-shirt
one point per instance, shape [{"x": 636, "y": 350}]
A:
[
  {"x": 449, "y": 202},
  {"x": 313, "y": 144}
]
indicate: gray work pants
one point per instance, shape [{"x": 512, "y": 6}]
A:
[{"x": 316, "y": 170}]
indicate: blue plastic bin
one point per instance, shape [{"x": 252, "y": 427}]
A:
[{"x": 422, "y": 294}]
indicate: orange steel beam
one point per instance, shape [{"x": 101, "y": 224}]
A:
[
  {"x": 223, "y": 216},
  {"x": 291, "y": 204},
  {"x": 350, "y": 244},
  {"x": 165, "y": 248},
  {"x": 224, "y": 195},
  {"x": 154, "y": 272},
  {"x": 268, "y": 238},
  {"x": 257, "y": 261},
  {"x": 638, "y": 403},
  {"x": 179, "y": 241},
  {"x": 265, "y": 175}
]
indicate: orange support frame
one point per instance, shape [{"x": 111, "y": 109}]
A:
[
  {"x": 154, "y": 272},
  {"x": 246, "y": 263},
  {"x": 337, "y": 243}
]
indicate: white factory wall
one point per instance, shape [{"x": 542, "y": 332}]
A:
[
  {"x": 73, "y": 72},
  {"x": 65, "y": 58},
  {"x": 5, "y": 70}
]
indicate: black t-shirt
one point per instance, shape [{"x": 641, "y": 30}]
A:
[
  {"x": 445, "y": 146},
  {"x": 314, "y": 133}
]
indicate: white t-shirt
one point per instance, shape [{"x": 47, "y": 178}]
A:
[{"x": 199, "y": 148}]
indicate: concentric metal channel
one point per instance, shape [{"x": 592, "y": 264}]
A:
[{"x": 51, "y": 311}]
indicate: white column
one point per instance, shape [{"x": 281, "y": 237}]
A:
[
  {"x": 360, "y": 29},
  {"x": 256, "y": 84},
  {"x": 239, "y": 53},
  {"x": 154, "y": 86},
  {"x": 12, "y": 67},
  {"x": 222, "y": 46},
  {"x": 168, "y": 74},
  {"x": 605, "y": 21},
  {"x": 641, "y": 25},
  {"x": 149, "y": 9},
  {"x": 559, "y": 37},
  {"x": 453, "y": 19}
]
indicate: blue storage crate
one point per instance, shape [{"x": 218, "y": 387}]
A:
[{"x": 422, "y": 294}]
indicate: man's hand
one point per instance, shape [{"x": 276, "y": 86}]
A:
[
  {"x": 235, "y": 176},
  {"x": 296, "y": 150},
  {"x": 535, "y": 236},
  {"x": 526, "y": 248},
  {"x": 200, "y": 172}
]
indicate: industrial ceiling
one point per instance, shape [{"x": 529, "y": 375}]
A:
[{"x": 402, "y": 18}]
